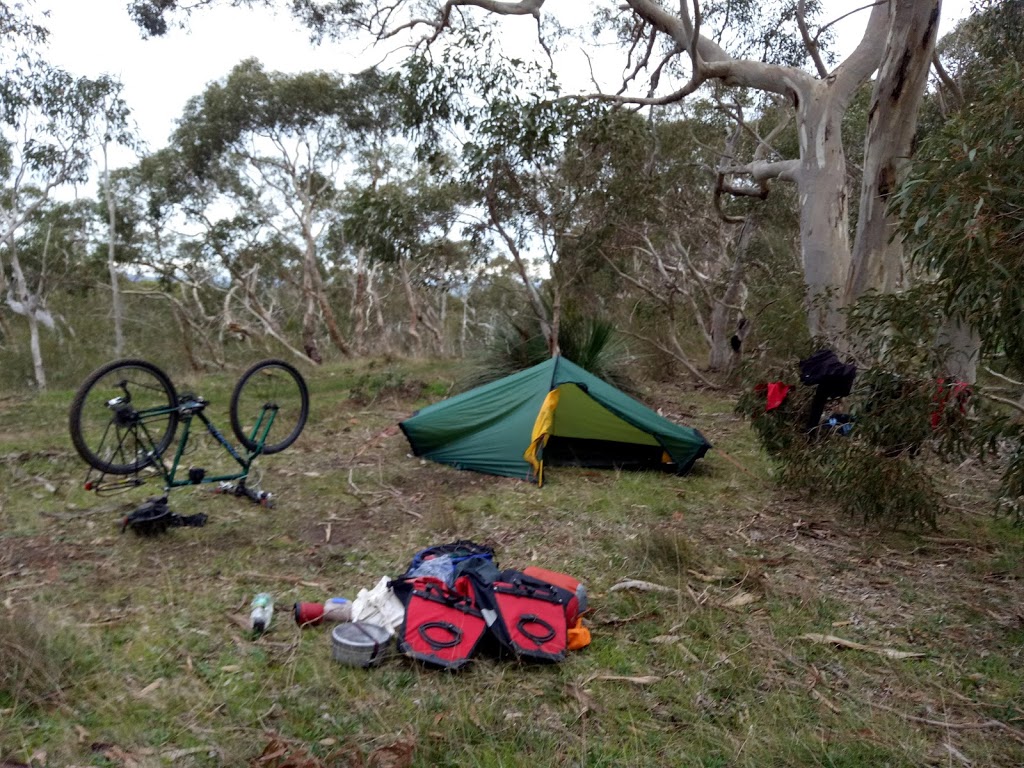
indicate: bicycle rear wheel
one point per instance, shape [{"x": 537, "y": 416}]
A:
[
  {"x": 123, "y": 416},
  {"x": 269, "y": 389}
]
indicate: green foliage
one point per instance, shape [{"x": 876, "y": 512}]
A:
[
  {"x": 410, "y": 218},
  {"x": 986, "y": 40},
  {"x": 252, "y": 102},
  {"x": 874, "y": 473},
  {"x": 962, "y": 209},
  {"x": 590, "y": 342}
]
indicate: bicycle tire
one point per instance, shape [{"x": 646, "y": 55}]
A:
[
  {"x": 109, "y": 440},
  {"x": 270, "y": 383}
]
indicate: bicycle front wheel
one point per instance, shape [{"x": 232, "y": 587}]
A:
[
  {"x": 123, "y": 416},
  {"x": 269, "y": 406}
]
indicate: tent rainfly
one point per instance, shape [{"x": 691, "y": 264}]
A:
[{"x": 554, "y": 413}]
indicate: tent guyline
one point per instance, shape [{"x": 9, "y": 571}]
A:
[{"x": 553, "y": 414}]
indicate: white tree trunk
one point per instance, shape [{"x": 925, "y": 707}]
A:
[
  {"x": 892, "y": 121},
  {"x": 961, "y": 348},
  {"x": 413, "y": 309},
  {"x": 824, "y": 211},
  {"x": 360, "y": 301},
  {"x": 37, "y": 353},
  {"x": 309, "y": 323},
  {"x": 30, "y": 305},
  {"x": 116, "y": 304}
]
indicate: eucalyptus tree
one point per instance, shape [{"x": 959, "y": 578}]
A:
[
  {"x": 511, "y": 156},
  {"x": 668, "y": 52},
  {"x": 47, "y": 137},
  {"x": 147, "y": 238},
  {"x": 654, "y": 233},
  {"x": 277, "y": 148},
  {"x": 962, "y": 205},
  {"x": 409, "y": 221},
  {"x": 112, "y": 128}
]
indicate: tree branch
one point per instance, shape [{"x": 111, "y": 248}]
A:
[
  {"x": 809, "y": 43},
  {"x": 949, "y": 82},
  {"x": 761, "y": 170}
]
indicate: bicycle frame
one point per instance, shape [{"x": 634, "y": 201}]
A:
[
  {"x": 195, "y": 408},
  {"x": 191, "y": 407}
]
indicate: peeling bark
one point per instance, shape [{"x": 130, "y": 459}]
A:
[{"x": 877, "y": 260}]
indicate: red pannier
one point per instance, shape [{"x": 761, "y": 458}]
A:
[
  {"x": 442, "y": 625},
  {"x": 527, "y": 616}
]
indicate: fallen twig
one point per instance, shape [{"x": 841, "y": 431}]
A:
[
  {"x": 891, "y": 653},
  {"x": 984, "y": 725},
  {"x": 826, "y": 701},
  {"x": 637, "y": 680},
  {"x": 642, "y": 586}
]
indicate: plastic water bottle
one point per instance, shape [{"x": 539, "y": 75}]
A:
[
  {"x": 337, "y": 609},
  {"x": 262, "y": 612}
]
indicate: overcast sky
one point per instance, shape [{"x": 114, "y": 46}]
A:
[{"x": 92, "y": 37}]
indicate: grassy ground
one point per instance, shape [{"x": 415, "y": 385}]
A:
[{"x": 119, "y": 650}]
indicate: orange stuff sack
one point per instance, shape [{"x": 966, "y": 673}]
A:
[{"x": 579, "y": 636}]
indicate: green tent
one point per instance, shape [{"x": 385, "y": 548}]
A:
[{"x": 552, "y": 414}]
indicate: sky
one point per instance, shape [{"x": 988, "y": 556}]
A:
[{"x": 159, "y": 75}]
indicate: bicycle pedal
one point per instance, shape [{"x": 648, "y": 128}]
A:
[{"x": 196, "y": 475}]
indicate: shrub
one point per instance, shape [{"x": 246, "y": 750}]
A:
[{"x": 875, "y": 470}]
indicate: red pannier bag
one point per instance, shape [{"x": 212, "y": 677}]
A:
[
  {"x": 579, "y": 635},
  {"x": 526, "y": 615},
  {"x": 442, "y": 625}
]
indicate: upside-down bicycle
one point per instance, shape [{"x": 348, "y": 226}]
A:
[{"x": 124, "y": 417}]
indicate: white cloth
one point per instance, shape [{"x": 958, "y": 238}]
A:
[{"x": 379, "y": 606}]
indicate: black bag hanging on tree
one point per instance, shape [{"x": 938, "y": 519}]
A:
[{"x": 831, "y": 376}]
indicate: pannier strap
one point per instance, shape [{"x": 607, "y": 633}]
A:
[
  {"x": 436, "y": 592},
  {"x": 455, "y": 634},
  {"x": 518, "y": 587},
  {"x": 531, "y": 620}
]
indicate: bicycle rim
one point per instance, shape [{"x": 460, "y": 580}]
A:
[
  {"x": 272, "y": 393},
  {"x": 123, "y": 416}
]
